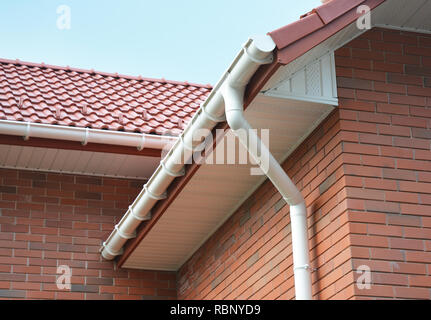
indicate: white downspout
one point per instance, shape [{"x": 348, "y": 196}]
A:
[{"x": 233, "y": 93}]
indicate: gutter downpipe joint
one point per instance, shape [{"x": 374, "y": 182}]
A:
[{"x": 233, "y": 94}]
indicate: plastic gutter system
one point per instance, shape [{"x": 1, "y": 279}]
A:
[
  {"x": 85, "y": 135},
  {"x": 291, "y": 41},
  {"x": 225, "y": 100}
]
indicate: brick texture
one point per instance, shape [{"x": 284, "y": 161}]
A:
[
  {"x": 48, "y": 220},
  {"x": 365, "y": 173},
  {"x": 388, "y": 166}
]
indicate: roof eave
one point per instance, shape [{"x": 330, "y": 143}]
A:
[{"x": 286, "y": 51}]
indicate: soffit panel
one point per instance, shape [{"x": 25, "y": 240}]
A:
[{"x": 77, "y": 162}]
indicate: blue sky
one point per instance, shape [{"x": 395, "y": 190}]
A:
[{"x": 193, "y": 40}]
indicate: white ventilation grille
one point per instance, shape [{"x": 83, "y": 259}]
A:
[
  {"x": 313, "y": 78},
  {"x": 316, "y": 82}
]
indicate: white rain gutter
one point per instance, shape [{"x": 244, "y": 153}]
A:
[
  {"x": 85, "y": 135},
  {"x": 228, "y": 91}
]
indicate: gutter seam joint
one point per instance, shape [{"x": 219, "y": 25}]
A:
[
  {"x": 154, "y": 196},
  {"x": 124, "y": 235},
  {"x": 212, "y": 117},
  {"x": 134, "y": 215},
  {"x": 266, "y": 60},
  {"x": 170, "y": 172}
]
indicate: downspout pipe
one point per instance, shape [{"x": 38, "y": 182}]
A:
[{"x": 233, "y": 94}]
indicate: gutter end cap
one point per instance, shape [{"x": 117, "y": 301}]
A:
[{"x": 263, "y": 43}]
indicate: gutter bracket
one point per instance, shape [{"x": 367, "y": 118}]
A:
[
  {"x": 27, "y": 132},
  {"x": 154, "y": 196},
  {"x": 87, "y": 133},
  {"x": 124, "y": 235},
  {"x": 185, "y": 144},
  {"x": 105, "y": 247},
  {"x": 134, "y": 215},
  {"x": 171, "y": 173},
  {"x": 142, "y": 144}
]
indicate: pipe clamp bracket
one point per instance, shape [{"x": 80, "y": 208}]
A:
[
  {"x": 124, "y": 235},
  {"x": 134, "y": 215},
  {"x": 305, "y": 267},
  {"x": 105, "y": 247},
  {"x": 154, "y": 196},
  {"x": 185, "y": 144},
  {"x": 171, "y": 173}
]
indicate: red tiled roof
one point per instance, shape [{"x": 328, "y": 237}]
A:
[{"x": 85, "y": 98}]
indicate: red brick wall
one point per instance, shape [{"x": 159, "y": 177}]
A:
[
  {"x": 47, "y": 220},
  {"x": 366, "y": 176},
  {"x": 385, "y": 85}
]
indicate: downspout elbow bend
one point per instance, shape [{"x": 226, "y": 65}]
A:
[
  {"x": 296, "y": 198},
  {"x": 235, "y": 119},
  {"x": 234, "y": 108}
]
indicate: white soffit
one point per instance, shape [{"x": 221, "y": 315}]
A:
[
  {"x": 77, "y": 162},
  {"x": 408, "y": 15}
]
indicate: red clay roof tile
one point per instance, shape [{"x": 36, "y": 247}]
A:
[{"x": 84, "y": 98}]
